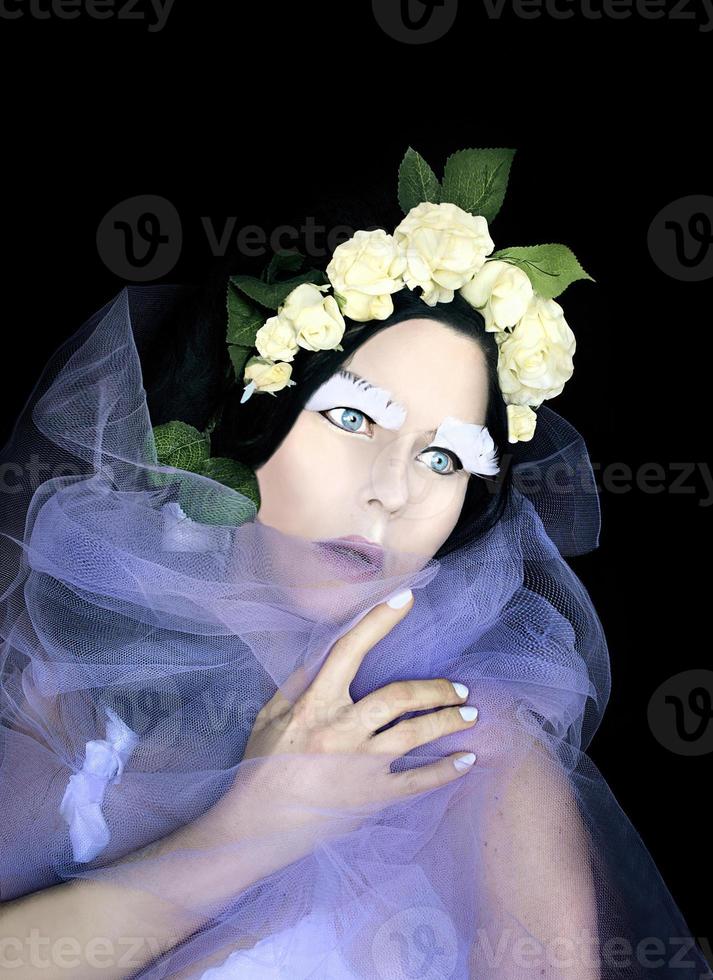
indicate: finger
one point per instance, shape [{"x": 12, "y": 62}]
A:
[
  {"x": 345, "y": 657},
  {"x": 284, "y": 697},
  {"x": 395, "y": 699},
  {"x": 411, "y": 732},
  {"x": 420, "y": 780}
]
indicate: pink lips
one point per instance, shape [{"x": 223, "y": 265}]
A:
[
  {"x": 356, "y": 545},
  {"x": 369, "y": 548},
  {"x": 358, "y": 537}
]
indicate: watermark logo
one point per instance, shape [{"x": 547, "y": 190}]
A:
[
  {"x": 680, "y": 713},
  {"x": 140, "y": 239},
  {"x": 415, "y": 21},
  {"x": 148, "y": 704},
  {"x": 680, "y": 238},
  {"x": 416, "y": 942}
]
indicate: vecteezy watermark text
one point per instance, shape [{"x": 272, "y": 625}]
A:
[
  {"x": 154, "y": 12},
  {"x": 683, "y": 10},
  {"x": 140, "y": 239},
  {"x": 425, "y": 21},
  {"x": 691, "y": 479}
]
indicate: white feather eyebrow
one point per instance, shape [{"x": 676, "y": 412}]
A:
[
  {"x": 473, "y": 444},
  {"x": 340, "y": 389}
]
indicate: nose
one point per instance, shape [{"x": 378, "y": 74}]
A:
[
  {"x": 388, "y": 482},
  {"x": 402, "y": 485}
]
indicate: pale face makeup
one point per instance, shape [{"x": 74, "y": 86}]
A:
[
  {"x": 389, "y": 462},
  {"x": 473, "y": 446}
]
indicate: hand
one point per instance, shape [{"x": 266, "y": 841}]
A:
[{"x": 325, "y": 750}]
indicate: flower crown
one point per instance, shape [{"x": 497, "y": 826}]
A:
[{"x": 442, "y": 245}]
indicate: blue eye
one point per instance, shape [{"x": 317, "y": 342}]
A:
[
  {"x": 442, "y": 460},
  {"x": 351, "y": 420}
]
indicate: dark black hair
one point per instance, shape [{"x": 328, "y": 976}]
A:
[{"x": 188, "y": 376}]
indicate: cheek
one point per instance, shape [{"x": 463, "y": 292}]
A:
[
  {"x": 437, "y": 499},
  {"x": 435, "y": 517},
  {"x": 319, "y": 471},
  {"x": 307, "y": 475},
  {"x": 426, "y": 526},
  {"x": 317, "y": 456}
]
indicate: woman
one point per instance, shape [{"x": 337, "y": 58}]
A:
[{"x": 225, "y": 754}]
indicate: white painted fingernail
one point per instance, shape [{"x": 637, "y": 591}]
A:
[
  {"x": 399, "y": 600},
  {"x": 464, "y": 762},
  {"x": 468, "y": 713},
  {"x": 460, "y": 689}
]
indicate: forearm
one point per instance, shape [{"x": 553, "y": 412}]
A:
[{"x": 155, "y": 898}]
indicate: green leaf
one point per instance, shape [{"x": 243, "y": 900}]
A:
[
  {"x": 284, "y": 260},
  {"x": 417, "y": 182},
  {"x": 233, "y": 474},
  {"x": 273, "y": 295},
  {"x": 157, "y": 479},
  {"x": 239, "y": 357},
  {"x": 214, "y": 507},
  {"x": 181, "y": 445},
  {"x": 476, "y": 180},
  {"x": 551, "y": 267},
  {"x": 244, "y": 320}
]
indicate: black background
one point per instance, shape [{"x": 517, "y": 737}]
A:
[{"x": 266, "y": 112}]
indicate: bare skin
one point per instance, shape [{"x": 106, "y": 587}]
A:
[{"x": 225, "y": 858}]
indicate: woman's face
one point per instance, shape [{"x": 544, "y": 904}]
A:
[{"x": 339, "y": 473}]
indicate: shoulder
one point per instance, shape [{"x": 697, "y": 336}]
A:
[{"x": 536, "y": 848}]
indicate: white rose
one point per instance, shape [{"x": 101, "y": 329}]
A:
[
  {"x": 521, "y": 423},
  {"x": 535, "y": 359},
  {"x": 316, "y": 319},
  {"x": 364, "y": 272},
  {"x": 444, "y": 246},
  {"x": 265, "y": 375},
  {"x": 501, "y": 291},
  {"x": 276, "y": 339}
]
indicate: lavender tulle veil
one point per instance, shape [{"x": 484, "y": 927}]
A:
[{"x": 147, "y": 615}]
